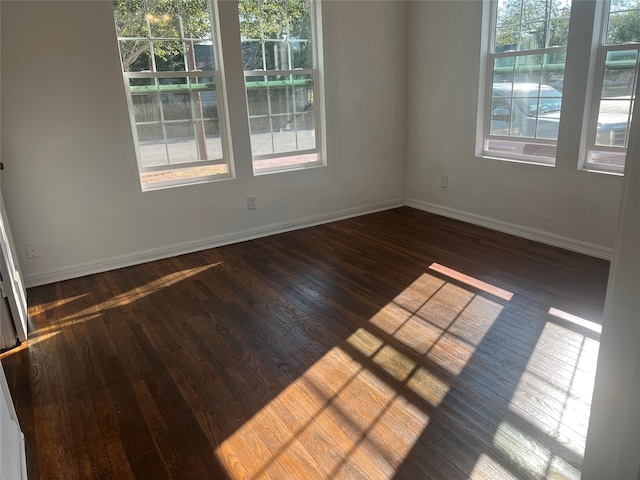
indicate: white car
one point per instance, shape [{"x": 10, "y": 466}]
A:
[{"x": 532, "y": 111}]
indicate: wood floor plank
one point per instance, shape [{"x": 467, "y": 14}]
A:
[{"x": 394, "y": 345}]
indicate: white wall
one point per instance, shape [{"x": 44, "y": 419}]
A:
[
  {"x": 559, "y": 204},
  {"x": 71, "y": 183},
  {"x": 613, "y": 441}
]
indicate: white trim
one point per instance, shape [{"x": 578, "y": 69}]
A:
[
  {"x": 14, "y": 465},
  {"x": 221, "y": 97},
  {"x": 487, "y": 68},
  {"x": 143, "y": 256},
  {"x": 534, "y": 234},
  {"x": 484, "y": 93}
]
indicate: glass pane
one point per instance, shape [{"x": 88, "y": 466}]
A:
[
  {"x": 284, "y": 141},
  {"x": 623, "y": 27},
  {"x": 525, "y": 109},
  {"x": 553, "y": 70},
  {"x": 533, "y": 36},
  {"x": 261, "y": 141},
  {"x": 613, "y": 122},
  {"x": 257, "y": 95},
  {"x": 299, "y": 12},
  {"x": 528, "y": 69},
  {"x": 168, "y": 56},
  {"x": 146, "y": 108},
  {"x": 276, "y": 34},
  {"x": 548, "y": 115},
  {"x": 130, "y": 18},
  {"x": 616, "y": 159},
  {"x": 533, "y": 10},
  {"x": 509, "y": 13},
  {"x": 619, "y": 74},
  {"x": 281, "y": 95},
  {"x": 302, "y": 54},
  {"x": 163, "y": 18},
  {"x": 181, "y": 143},
  {"x": 250, "y": 19},
  {"x": 531, "y": 24},
  {"x": 203, "y": 58},
  {"x": 209, "y": 105},
  {"x": 151, "y": 145},
  {"x": 135, "y": 56},
  {"x": 500, "y": 116},
  {"x": 282, "y": 114},
  {"x": 306, "y": 120},
  {"x": 176, "y": 106},
  {"x": 503, "y": 70},
  {"x": 252, "y": 55},
  {"x": 275, "y": 55},
  {"x": 175, "y": 83},
  {"x": 304, "y": 102},
  {"x": 274, "y": 19},
  {"x": 560, "y": 8},
  {"x": 211, "y": 131},
  {"x": 559, "y": 32},
  {"x": 205, "y": 104},
  {"x": 196, "y": 19},
  {"x": 143, "y": 85},
  {"x": 622, "y": 5},
  {"x": 506, "y": 40}
]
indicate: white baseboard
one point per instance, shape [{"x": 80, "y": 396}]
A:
[
  {"x": 143, "y": 256},
  {"x": 541, "y": 236}
]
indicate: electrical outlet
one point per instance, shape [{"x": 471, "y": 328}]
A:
[
  {"x": 32, "y": 250},
  {"x": 444, "y": 182},
  {"x": 251, "y": 202}
]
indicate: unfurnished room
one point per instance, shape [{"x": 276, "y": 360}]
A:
[{"x": 319, "y": 239}]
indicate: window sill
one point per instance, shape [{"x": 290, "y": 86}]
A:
[
  {"x": 526, "y": 161},
  {"x": 595, "y": 169},
  {"x": 149, "y": 187}
]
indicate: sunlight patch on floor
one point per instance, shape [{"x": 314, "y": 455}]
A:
[
  {"x": 582, "y": 322},
  {"x": 33, "y": 340},
  {"x": 473, "y": 282},
  {"x": 81, "y": 315},
  {"x": 566, "y": 387},
  {"x": 445, "y": 318},
  {"x": 341, "y": 414},
  {"x": 346, "y": 413},
  {"x": 345, "y": 409},
  {"x": 535, "y": 458},
  {"x": 44, "y": 307}
]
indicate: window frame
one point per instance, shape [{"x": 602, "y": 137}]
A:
[
  {"x": 221, "y": 104},
  {"x": 600, "y": 32},
  {"x": 488, "y": 55},
  {"x": 317, "y": 74}
]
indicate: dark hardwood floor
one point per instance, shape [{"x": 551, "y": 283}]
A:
[{"x": 394, "y": 345}]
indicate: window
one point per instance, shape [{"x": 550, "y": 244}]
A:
[
  {"x": 282, "y": 83},
  {"x": 168, "y": 50},
  {"x": 617, "y": 74},
  {"x": 526, "y": 64}
]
